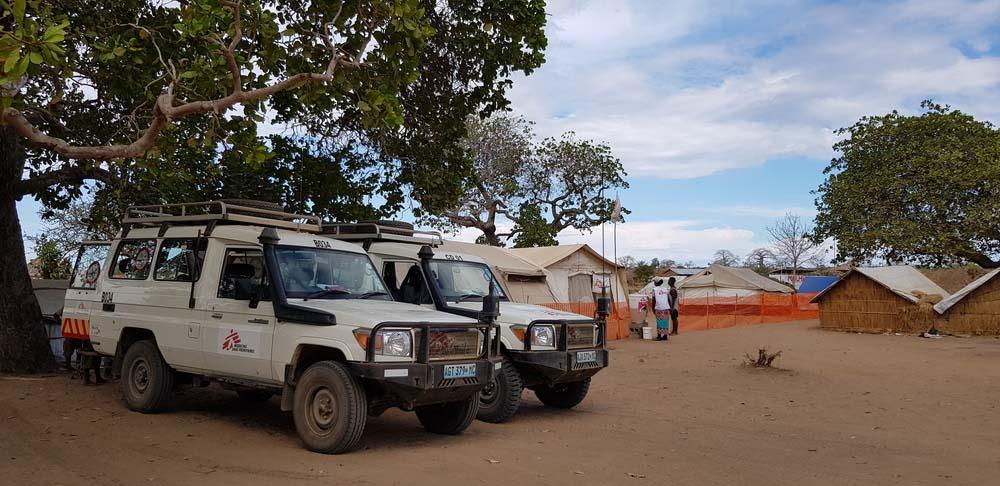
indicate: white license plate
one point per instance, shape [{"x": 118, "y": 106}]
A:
[
  {"x": 586, "y": 357},
  {"x": 459, "y": 371}
]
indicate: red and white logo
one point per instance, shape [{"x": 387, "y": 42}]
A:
[{"x": 231, "y": 340}]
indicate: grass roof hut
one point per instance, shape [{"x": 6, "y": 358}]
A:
[
  {"x": 975, "y": 309},
  {"x": 880, "y": 299}
]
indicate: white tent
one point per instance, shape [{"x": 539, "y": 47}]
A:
[
  {"x": 525, "y": 282},
  {"x": 720, "y": 281},
  {"x": 577, "y": 273}
]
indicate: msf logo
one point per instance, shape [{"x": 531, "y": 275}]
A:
[
  {"x": 234, "y": 344},
  {"x": 232, "y": 339}
]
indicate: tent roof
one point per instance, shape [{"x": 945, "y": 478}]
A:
[
  {"x": 548, "y": 255},
  {"x": 953, "y": 299},
  {"x": 813, "y": 283},
  {"x": 686, "y": 272},
  {"x": 902, "y": 280},
  {"x": 501, "y": 258},
  {"x": 732, "y": 278},
  {"x": 649, "y": 285}
]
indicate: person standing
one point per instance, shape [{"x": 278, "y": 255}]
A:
[
  {"x": 661, "y": 309},
  {"x": 674, "y": 297}
]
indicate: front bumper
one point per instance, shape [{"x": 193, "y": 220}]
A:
[
  {"x": 551, "y": 367},
  {"x": 413, "y": 384}
]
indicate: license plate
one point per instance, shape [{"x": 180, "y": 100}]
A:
[
  {"x": 459, "y": 371},
  {"x": 586, "y": 357}
]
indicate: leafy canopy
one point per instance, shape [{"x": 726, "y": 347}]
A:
[{"x": 922, "y": 188}]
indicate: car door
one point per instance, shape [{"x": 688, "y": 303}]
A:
[
  {"x": 83, "y": 293},
  {"x": 237, "y": 337}
]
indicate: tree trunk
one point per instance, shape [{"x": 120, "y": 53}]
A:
[{"x": 24, "y": 344}]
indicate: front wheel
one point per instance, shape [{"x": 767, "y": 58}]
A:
[
  {"x": 449, "y": 418},
  {"x": 330, "y": 408},
  {"x": 563, "y": 395},
  {"x": 500, "y": 398},
  {"x": 147, "y": 380}
]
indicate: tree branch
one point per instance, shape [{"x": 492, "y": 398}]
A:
[{"x": 67, "y": 175}]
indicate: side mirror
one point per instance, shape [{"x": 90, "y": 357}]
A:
[{"x": 491, "y": 307}]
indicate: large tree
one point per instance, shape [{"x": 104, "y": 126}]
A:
[
  {"x": 793, "y": 243},
  {"x": 922, "y": 188},
  {"x": 563, "y": 182},
  {"x": 169, "y": 95}
]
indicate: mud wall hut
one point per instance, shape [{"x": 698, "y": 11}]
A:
[
  {"x": 880, "y": 299},
  {"x": 974, "y": 309}
]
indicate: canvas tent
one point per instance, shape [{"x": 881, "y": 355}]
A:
[
  {"x": 879, "y": 299},
  {"x": 577, "y": 272},
  {"x": 525, "y": 282},
  {"x": 973, "y": 309},
  {"x": 717, "y": 280}
]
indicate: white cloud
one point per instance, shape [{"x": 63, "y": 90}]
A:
[
  {"x": 674, "y": 239},
  {"x": 678, "y": 94}
]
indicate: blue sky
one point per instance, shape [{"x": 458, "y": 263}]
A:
[{"x": 723, "y": 112}]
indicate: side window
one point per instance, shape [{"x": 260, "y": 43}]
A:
[
  {"x": 133, "y": 259},
  {"x": 242, "y": 275},
  {"x": 406, "y": 282},
  {"x": 173, "y": 261},
  {"x": 88, "y": 266}
]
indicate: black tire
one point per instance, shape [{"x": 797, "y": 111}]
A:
[
  {"x": 500, "y": 399},
  {"x": 563, "y": 395},
  {"x": 254, "y": 396},
  {"x": 255, "y": 204},
  {"x": 330, "y": 408},
  {"x": 147, "y": 380},
  {"x": 450, "y": 418},
  {"x": 394, "y": 227}
]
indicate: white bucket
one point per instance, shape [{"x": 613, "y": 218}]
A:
[{"x": 647, "y": 333}]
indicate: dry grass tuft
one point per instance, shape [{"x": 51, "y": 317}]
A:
[{"x": 763, "y": 359}]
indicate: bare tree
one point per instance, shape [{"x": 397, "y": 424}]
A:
[
  {"x": 790, "y": 238},
  {"x": 760, "y": 260},
  {"x": 725, "y": 258}
]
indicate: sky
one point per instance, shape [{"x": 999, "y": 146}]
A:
[{"x": 724, "y": 112}]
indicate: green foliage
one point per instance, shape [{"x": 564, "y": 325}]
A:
[
  {"x": 920, "y": 189},
  {"x": 532, "y": 229},
  {"x": 49, "y": 260},
  {"x": 644, "y": 271}
]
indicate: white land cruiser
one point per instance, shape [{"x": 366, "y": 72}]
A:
[
  {"x": 256, "y": 299},
  {"x": 558, "y": 360}
]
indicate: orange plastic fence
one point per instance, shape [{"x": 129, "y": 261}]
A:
[
  {"x": 719, "y": 312},
  {"x": 617, "y": 323}
]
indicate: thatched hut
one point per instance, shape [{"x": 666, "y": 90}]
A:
[
  {"x": 880, "y": 299},
  {"x": 975, "y": 309}
]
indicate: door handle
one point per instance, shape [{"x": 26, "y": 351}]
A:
[{"x": 217, "y": 315}]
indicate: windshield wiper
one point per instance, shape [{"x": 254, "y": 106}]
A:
[
  {"x": 463, "y": 298},
  {"x": 368, "y": 295},
  {"x": 316, "y": 295}
]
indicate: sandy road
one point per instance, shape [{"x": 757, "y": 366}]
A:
[{"x": 846, "y": 409}]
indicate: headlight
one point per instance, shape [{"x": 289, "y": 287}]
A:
[
  {"x": 395, "y": 343},
  {"x": 543, "y": 336},
  {"x": 388, "y": 342}
]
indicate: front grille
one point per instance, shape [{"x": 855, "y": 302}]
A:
[
  {"x": 580, "y": 336},
  {"x": 456, "y": 344},
  {"x": 585, "y": 365}
]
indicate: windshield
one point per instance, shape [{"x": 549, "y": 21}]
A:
[
  {"x": 459, "y": 281},
  {"x": 312, "y": 273}
]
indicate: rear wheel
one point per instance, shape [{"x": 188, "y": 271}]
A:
[
  {"x": 563, "y": 395},
  {"x": 147, "y": 380},
  {"x": 330, "y": 408},
  {"x": 449, "y": 418},
  {"x": 500, "y": 398}
]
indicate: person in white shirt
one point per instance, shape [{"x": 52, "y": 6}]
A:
[{"x": 661, "y": 309}]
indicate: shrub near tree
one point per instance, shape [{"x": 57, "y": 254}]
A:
[{"x": 153, "y": 99}]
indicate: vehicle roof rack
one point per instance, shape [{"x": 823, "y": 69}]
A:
[
  {"x": 215, "y": 212},
  {"x": 375, "y": 232}
]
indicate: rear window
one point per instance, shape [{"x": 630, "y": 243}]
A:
[
  {"x": 88, "y": 266},
  {"x": 133, "y": 259},
  {"x": 174, "y": 260}
]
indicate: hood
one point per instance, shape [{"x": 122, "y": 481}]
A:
[
  {"x": 523, "y": 314},
  {"x": 368, "y": 313}
]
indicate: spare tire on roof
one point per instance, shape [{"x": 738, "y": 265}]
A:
[{"x": 391, "y": 226}]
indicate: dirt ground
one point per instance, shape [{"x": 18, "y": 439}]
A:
[{"x": 844, "y": 409}]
